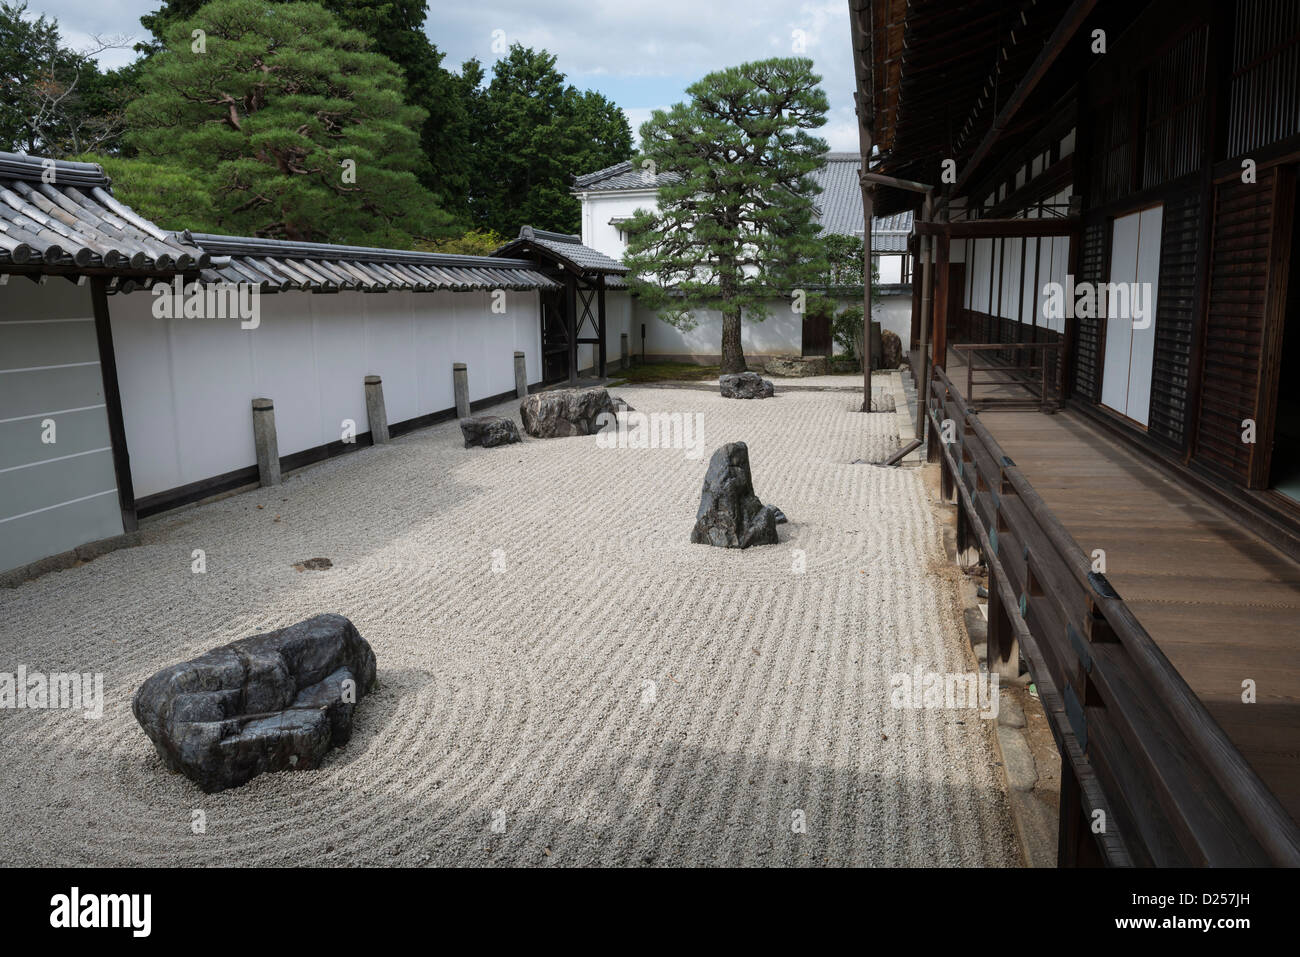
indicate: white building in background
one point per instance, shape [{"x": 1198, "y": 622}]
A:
[{"x": 611, "y": 196}]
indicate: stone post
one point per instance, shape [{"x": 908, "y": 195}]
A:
[
  {"x": 622, "y": 348},
  {"x": 375, "y": 410},
  {"x": 521, "y": 376},
  {"x": 264, "y": 442},
  {"x": 460, "y": 383}
]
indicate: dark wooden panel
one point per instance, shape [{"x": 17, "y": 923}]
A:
[
  {"x": 1088, "y": 345},
  {"x": 1175, "y": 128},
  {"x": 1264, "y": 97},
  {"x": 1235, "y": 323},
  {"x": 1175, "y": 318}
]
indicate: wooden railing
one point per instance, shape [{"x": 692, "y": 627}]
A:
[
  {"x": 1148, "y": 776},
  {"x": 1042, "y": 375}
]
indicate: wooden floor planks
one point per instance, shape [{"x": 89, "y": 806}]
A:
[{"x": 1223, "y": 605}]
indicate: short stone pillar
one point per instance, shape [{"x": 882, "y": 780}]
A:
[
  {"x": 521, "y": 376},
  {"x": 265, "y": 443},
  {"x": 622, "y": 350},
  {"x": 460, "y": 383},
  {"x": 375, "y": 410}
]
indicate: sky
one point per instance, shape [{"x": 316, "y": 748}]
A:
[{"x": 641, "y": 54}]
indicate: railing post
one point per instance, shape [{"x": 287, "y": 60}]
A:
[
  {"x": 1075, "y": 846},
  {"x": 1003, "y": 646}
]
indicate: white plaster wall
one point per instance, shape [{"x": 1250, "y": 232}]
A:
[
  {"x": 780, "y": 334},
  {"x": 599, "y": 208},
  {"x": 187, "y": 384}
]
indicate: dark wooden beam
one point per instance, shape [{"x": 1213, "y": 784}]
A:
[
  {"x": 997, "y": 228},
  {"x": 1065, "y": 30},
  {"x": 600, "y": 318},
  {"x": 113, "y": 403}
]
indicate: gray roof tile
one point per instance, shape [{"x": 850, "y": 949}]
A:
[
  {"x": 564, "y": 247},
  {"x": 73, "y": 222},
  {"x": 277, "y": 265}
]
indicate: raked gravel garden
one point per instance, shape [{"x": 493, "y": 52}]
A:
[{"x": 563, "y": 677}]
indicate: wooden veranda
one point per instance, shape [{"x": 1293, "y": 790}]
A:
[{"x": 1161, "y": 633}]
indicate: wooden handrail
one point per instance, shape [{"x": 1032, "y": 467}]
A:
[
  {"x": 1109, "y": 627},
  {"x": 1042, "y": 348}
]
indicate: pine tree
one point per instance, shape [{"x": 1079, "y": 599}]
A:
[
  {"x": 296, "y": 128},
  {"x": 734, "y": 226}
]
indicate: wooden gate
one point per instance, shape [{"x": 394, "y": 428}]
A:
[
  {"x": 816, "y": 335},
  {"x": 555, "y": 338}
]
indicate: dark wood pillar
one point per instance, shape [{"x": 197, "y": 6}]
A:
[
  {"x": 113, "y": 403},
  {"x": 600, "y": 318},
  {"x": 941, "y": 295},
  {"x": 571, "y": 324}
]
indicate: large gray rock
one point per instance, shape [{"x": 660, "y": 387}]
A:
[
  {"x": 730, "y": 514},
  {"x": 564, "y": 412},
  {"x": 798, "y": 365},
  {"x": 273, "y": 702},
  {"x": 488, "y": 431},
  {"x": 745, "y": 385}
]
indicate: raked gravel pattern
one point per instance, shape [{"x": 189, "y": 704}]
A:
[{"x": 565, "y": 679}]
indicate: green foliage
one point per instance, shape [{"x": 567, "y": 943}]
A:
[
  {"x": 169, "y": 195},
  {"x": 498, "y": 156},
  {"x": 843, "y": 259},
  {"x": 735, "y": 227},
  {"x": 273, "y": 113},
  {"x": 535, "y": 132},
  {"x": 54, "y": 101},
  {"x": 472, "y": 242},
  {"x": 846, "y": 328},
  {"x": 396, "y": 30}
]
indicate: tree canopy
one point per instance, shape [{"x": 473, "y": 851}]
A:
[
  {"x": 55, "y": 101},
  {"x": 734, "y": 227},
  {"x": 293, "y": 125},
  {"x": 536, "y": 132}
]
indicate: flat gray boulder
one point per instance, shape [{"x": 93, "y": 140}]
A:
[
  {"x": 745, "y": 385},
  {"x": 564, "y": 412},
  {"x": 730, "y": 514},
  {"x": 273, "y": 702},
  {"x": 488, "y": 431},
  {"x": 798, "y": 366}
]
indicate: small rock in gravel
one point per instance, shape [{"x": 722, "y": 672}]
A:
[
  {"x": 313, "y": 565},
  {"x": 488, "y": 431}
]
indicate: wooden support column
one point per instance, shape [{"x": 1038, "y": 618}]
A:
[
  {"x": 941, "y": 294},
  {"x": 571, "y": 324},
  {"x": 113, "y": 402},
  {"x": 868, "y": 211},
  {"x": 600, "y": 318}
]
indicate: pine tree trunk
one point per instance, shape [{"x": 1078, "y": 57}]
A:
[{"x": 733, "y": 356}]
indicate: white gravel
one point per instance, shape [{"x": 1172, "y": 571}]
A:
[{"x": 522, "y": 695}]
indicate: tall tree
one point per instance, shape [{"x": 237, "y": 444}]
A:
[
  {"x": 735, "y": 226},
  {"x": 299, "y": 131},
  {"x": 54, "y": 101},
  {"x": 538, "y": 132},
  {"x": 396, "y": 30}
]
